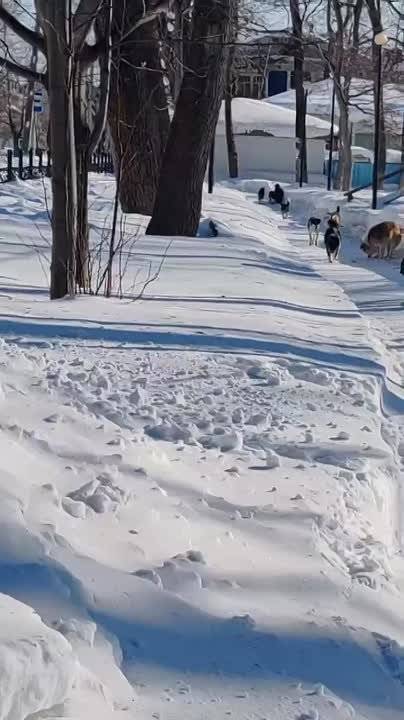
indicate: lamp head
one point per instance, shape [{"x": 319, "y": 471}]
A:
[{"x": 380, "y": 39}]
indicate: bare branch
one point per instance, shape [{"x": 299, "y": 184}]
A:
[
  {"x": 23, "y": 71},
  {"x": 105, "y": 85},
  {"x": 83, "y": 19}
]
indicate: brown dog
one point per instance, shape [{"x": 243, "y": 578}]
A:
[{"x": 382, "y": 240}]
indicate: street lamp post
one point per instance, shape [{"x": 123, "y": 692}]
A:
[{"x": 380, "y": 39}]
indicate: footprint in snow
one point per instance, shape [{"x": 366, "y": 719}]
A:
[{"x": 341, "y": 436}]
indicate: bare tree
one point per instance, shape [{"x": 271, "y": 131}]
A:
[
  {"x": 374, "y": 12},
  {"x": 89, "y": 128},
  {"x": 63, "y": 43},
  {"x": 343, "y": 26},
  {"x": 298, "y": 52},
  {"x": 232, "y": 157},
  {"x": 179, "y": 198},
  {"x": 16, "y": 95}
]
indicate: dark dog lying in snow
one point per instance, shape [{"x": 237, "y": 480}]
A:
[
  {"x": 213, "y": 228},
  {"x": 277, "y": 195}
]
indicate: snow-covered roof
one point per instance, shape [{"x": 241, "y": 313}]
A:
[
  {"x": 361, "y": 154},
  {"x": 361, "y": 97},
  {"x": 257, "y": 115}
]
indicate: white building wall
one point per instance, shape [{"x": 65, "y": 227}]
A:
[{"x": 267, "y": 157}]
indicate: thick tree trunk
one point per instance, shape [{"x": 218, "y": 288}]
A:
[
  {"x": 82, "y": 245},
  {"x": 64, "y": 211},
  {"x": 138, "y": 113},
  {"x": 232, "y": 157},
  {"x": 178, "y": 203}
]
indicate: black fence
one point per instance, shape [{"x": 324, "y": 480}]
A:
[{"x": 39, "y": 164}]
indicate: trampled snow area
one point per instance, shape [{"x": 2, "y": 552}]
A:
[{"x": 201, "y": 490}]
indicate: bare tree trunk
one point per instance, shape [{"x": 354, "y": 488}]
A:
[
  {"x": 297, "y": 26},
  {"x": 173, "y": 45},
  {"x": 345, "y": 151},
  {"x": 402, "y": 156},
  {"x": 82, "y": 245},
  {"x": 342, "y": 79},
  {"x": 178, "y": 203},
  {"x": 378, "y": 57},
  {"x": 138, "y": 112},
  {"x": 55, "y": 23},
  {"x": 29, "y": 105},
  {"x": 375, "y": 17},
  {"x": 232, "y": 157},
  {"x": 211, "y": 167}
]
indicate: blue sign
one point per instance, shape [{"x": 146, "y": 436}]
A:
[{"x": 38, "y": 101}]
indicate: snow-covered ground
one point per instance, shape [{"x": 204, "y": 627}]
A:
[{"x": 201, "y": 491}]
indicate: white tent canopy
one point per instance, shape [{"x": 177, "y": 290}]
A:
[{"x": 257, "y": 115}]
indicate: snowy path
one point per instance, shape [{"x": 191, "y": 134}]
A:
[
  {"x": 200, "y": 490},
  {"x": 375, "y": 287}
]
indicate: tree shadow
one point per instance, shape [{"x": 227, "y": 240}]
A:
[
  {"x": 158, "y": 629},
  {"x": 188, "y": 341}
]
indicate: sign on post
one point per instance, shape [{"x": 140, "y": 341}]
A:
[{"x": 38, "y": 101}]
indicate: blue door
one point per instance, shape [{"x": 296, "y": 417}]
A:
[{"x": 277, "y": 82}]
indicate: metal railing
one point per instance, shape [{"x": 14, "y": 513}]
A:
[
  {"x": 350, "y": 193},
  {"x": 38, "y": 165}
]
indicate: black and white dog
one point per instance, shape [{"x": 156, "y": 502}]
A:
[
  {"x": 261, "y": 194},
  {"x": 332, "y": 240},
  {"x": 313, "y": 226},
  {"x": 285, "y": 207}
]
